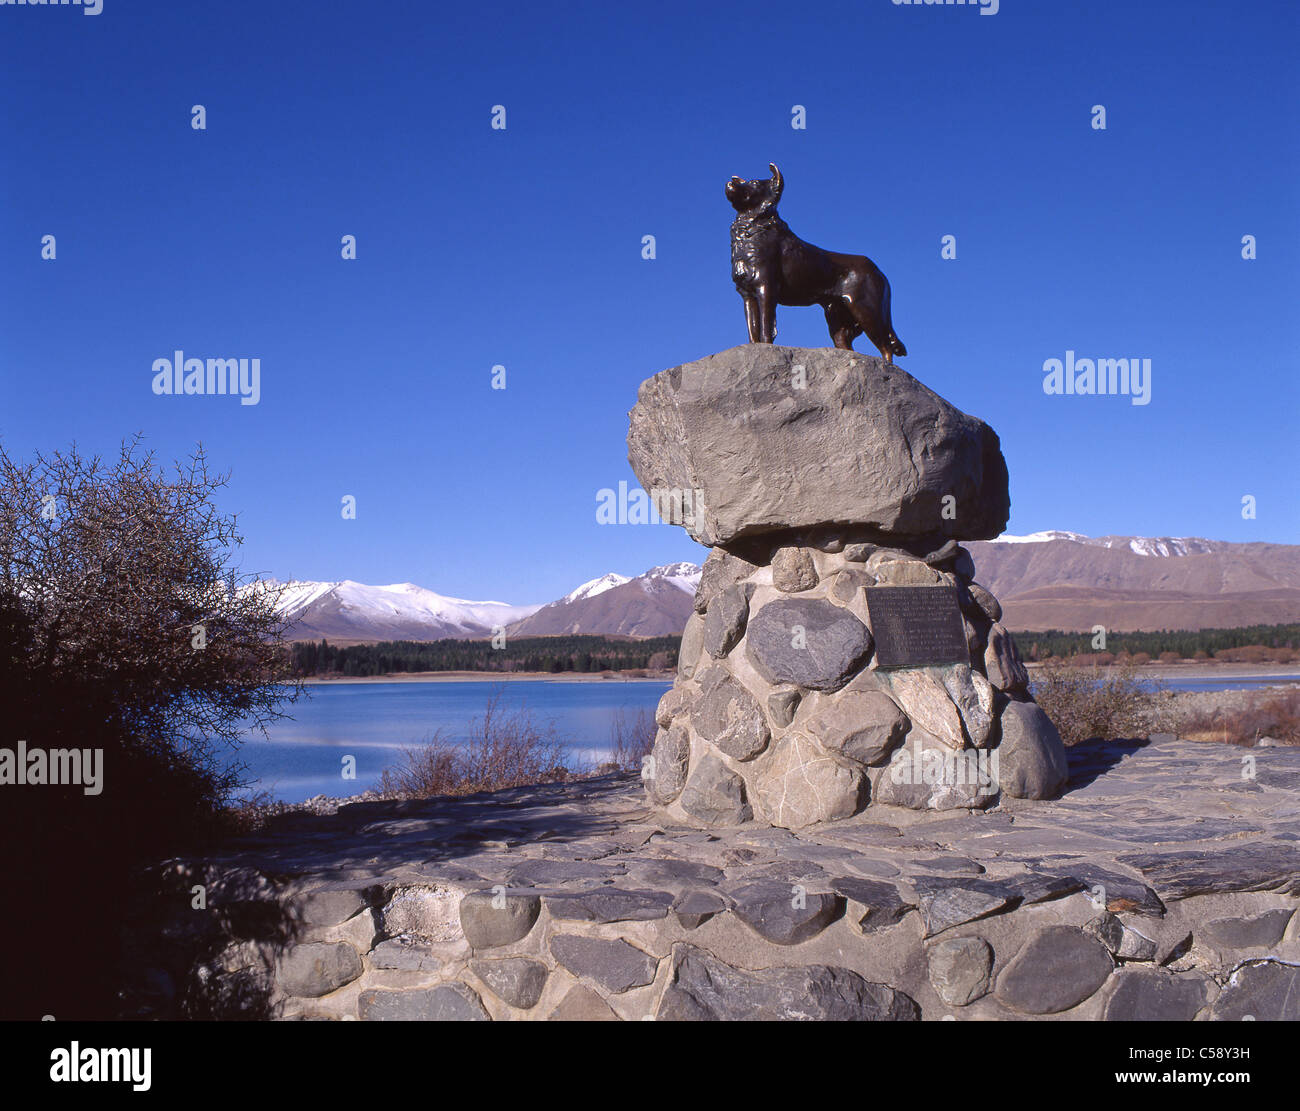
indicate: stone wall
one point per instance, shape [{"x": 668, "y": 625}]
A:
[{"x": 1145, "y": 892}]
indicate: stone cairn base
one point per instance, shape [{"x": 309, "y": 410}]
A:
[
  {"x": 820, "y": 477},
  {"x": 780, "y": 713}
]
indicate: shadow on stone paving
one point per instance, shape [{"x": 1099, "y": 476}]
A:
[{"x": 1093, "y": 759}]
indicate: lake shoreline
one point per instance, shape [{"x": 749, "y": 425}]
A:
[
  {"x": 1191, "y": 669},
  {"x": 488, "y": 677}
]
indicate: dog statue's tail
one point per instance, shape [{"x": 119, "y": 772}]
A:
[{"x": 892, "y": 341}]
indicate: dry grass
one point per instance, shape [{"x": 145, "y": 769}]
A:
[
  {"x": 631, "y": 741},
  {"x": 504, "y": 749},
  {"x": 1264, "y": 715},
  {"x": 1106, "y": 703}
]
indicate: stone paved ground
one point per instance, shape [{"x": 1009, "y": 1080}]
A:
[{"x": 1164, "y": 883}]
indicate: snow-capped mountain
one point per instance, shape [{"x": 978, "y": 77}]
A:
[
  {"x": 1046, "y": 580},
  {"x": 1040, "y": 537},
  {"x": 1139, "y": 545},
  {"x": 684, "y": 576},
  {"x": 403, "y": 611},
  {"x": 596, "y": 586},
  {"x": 1065, "y": 580},
  {"x": 656, "y": 603}
]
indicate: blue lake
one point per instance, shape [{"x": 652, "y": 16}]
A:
[
  {"x": 373, "y": 722},
  {"x": 1231, "y": 683}
]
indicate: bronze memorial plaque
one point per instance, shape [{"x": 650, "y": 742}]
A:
[{"x": 916, "y": 625}]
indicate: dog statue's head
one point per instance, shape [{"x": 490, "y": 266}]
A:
[{"x": 754, "y": 198}]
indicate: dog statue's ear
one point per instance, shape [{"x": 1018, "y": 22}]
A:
[{"x": 778, "y": 182}]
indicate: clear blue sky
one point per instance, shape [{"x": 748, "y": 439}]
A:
[{"x": 522, "y": 247}]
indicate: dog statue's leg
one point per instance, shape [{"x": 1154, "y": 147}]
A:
[
  {"x": 870, "y": 324},
  {"x": 841, "y": 325},
  {"x": 752, "y": 319},
  {"x": 766, "y": 314}
]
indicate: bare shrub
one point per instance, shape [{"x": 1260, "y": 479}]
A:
[
  {"x": 503, "y": 749},
  {"x": 1089, "y": 659},
  {"x": 123, "y": 615},
  {"x": 1100, "y": 703},
  {"x": 1247, "y": 654},
  {"x": 125, "y": 626},
  {"x": 1265, "y": 714},
  {"x": 631, "y": 741},
  {"x": 1256, "y": 654}
]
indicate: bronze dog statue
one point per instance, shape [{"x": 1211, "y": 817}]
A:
[{"x": 772, "y": 266}]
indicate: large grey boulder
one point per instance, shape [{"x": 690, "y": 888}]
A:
[
  {"x": 1031, "y": 757},
  {"x": 846, "y": 440},
  {"x": 806, "y": 642}
]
